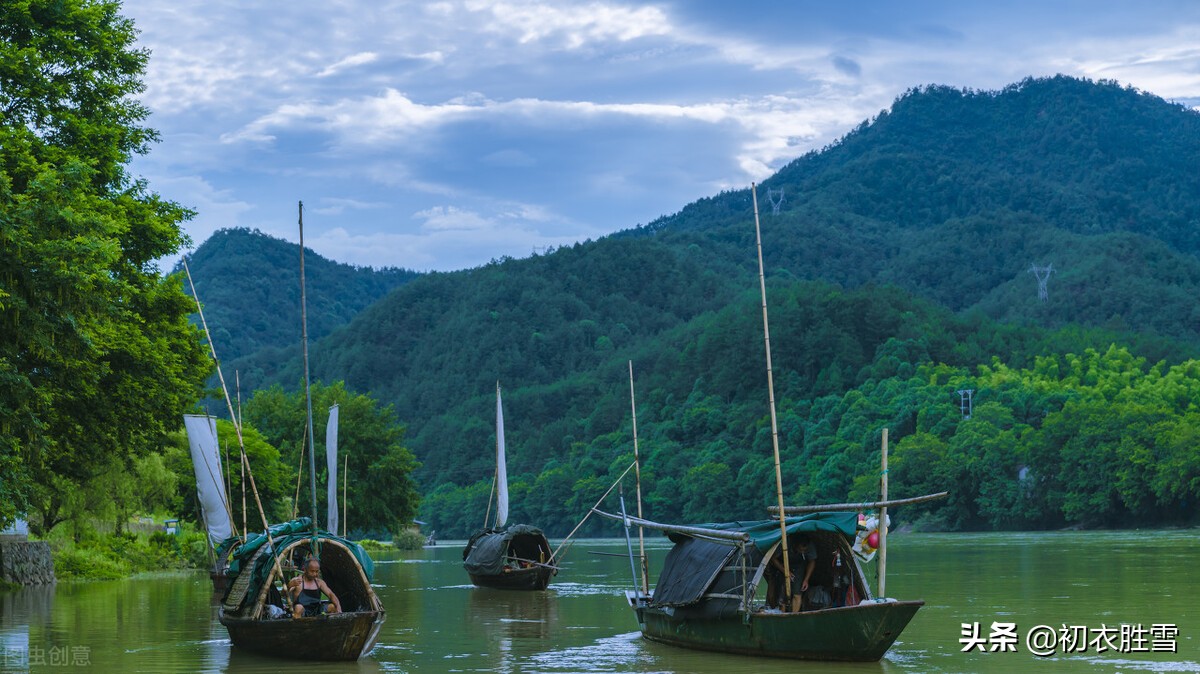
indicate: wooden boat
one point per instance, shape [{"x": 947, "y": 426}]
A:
[
  {"x": 259, "y": 618},
  {"x": 706, "y": 597},
  {"x": 513, "y": 558},
  {"x": 256, "y": 608},
  {"x": 516, "y": 557}
]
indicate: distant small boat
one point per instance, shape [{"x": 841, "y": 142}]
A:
[
  {"x": 512, "y": 558},
  {"x": 258, "y": 615},
  {"x": 517, "y": 557}
]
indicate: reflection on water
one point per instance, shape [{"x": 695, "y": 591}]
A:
[{"x": 438, "y": 622}]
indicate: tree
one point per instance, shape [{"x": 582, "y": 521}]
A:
[
  {"x": 97, "y": 357},
  {"x": 382, "y": 494}
]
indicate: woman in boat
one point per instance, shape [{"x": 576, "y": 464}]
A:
[{"x": 306, "y": 592}]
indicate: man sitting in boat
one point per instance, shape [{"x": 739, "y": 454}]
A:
[
  {"x": 801, "y": 552},
  {"x": 306, "y": 591}
]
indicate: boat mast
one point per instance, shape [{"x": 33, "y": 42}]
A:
[
  {"x": 312, "y": 460},
  {"x": 762, "y": 284},
  {"x": 883, "y": 480},
  {"x": 637, "y": 471}
]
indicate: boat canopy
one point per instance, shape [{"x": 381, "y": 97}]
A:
[
  {"x": 284, "y": 534},
  {"x": 717, "y": 575},
  {"x": 487, "y": 551}
]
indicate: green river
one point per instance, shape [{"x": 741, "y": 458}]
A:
[{"x": 1083, "y": 584}]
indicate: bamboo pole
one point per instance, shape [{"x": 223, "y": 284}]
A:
[
  {"x": 236, "y": 425},
  {"x": 491, "y": 494},
  {"x": 229, "y": 490},
  {"x": 695, "y": 532},
  {"x": 870, "y": 505},
  {"x": 555, "y": 555},
  {"x": 637, "y": 471},
  {"x": 762, "y": 284},
  {"x": 245, "y": 532},
  {"x": 345, "y": 498},
  {"x": 299, "y": 475},
  {"x": 312, "y": 443},
  {"x": 883, "y": 488}
]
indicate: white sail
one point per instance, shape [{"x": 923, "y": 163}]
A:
[
  {"x": 501, "y": 470},
  {"x": 206, "y": 462},
  {"x": 331, "y": 458}
]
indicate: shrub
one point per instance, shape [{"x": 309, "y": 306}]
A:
[
  {"x": 371, "y": 545},
  {"x": 88, "y": 563},
  {"x": 409, "y": 539}
]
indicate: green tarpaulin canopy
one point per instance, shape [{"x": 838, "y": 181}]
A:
[{"x": 284, "y": 534}]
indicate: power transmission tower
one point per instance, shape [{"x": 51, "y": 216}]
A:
[
  {"x": 1043, "y": 275},
  {"x": 776, "y": 199},
  {"x": 966, "y": 401}
]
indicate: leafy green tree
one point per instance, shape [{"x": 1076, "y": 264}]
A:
[
  {"x": 97, "y": 357},
  {"x": 382, "y": 493}
]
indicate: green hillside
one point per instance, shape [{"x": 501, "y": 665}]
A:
[
  {"x": 898, "y": 274},
  {"x": 249, "y": 284}
]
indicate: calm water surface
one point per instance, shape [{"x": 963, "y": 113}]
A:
[{"x": 438, "y": 622}]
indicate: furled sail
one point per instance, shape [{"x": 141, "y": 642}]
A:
[
  {"x": 501, "y": 470},
  {"x": 331, "y": 448},
  {"x": 206, "y": 462}
]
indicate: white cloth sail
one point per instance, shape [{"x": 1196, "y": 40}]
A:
[
  {"x": 331, "y": 458},
  {"x": 501, "y": 469},
  {"x": 206, "y": 462}
]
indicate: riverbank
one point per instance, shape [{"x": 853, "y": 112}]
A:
[{"x": 116, "y": 556}]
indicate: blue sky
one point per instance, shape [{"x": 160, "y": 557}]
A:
[{"x": 441, "y": 135}]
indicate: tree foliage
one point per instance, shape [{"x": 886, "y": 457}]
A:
[
  {"x": 96, "y": 354},
  {"x": 382, "y": 495}
]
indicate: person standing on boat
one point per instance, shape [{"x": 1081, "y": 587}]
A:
[
  {"x": 802, "y": 554},
  {"x": 306, "y": 590}
]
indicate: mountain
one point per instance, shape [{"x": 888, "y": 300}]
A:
[
  {"x": 249, "y": 284},
  {"x": 904, "y": 246},
  {"x": 956, "y": 194}
]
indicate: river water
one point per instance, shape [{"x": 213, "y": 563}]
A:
[{"x": 1085, "y": 582}]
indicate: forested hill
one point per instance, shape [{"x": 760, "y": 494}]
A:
[
  {"x": 249, "y": 284},
  {"x": 898, "y": 272},
  {"x": 956, "y": 194}
]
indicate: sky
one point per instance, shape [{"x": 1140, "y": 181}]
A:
[{"x": 443, "y": 135}]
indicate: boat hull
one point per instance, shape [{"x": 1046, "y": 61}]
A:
[
  {"x": 860, "y": 633},
  {"x": 537, "y": 578},
  {"x": 341, "y": 636}
]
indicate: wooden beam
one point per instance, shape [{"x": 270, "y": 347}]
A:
[
  {"x": 800, "y": 510},
  {"x": 697, "y": 532}
]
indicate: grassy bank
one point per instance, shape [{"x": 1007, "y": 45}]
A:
[{"x": 91, "y": 554}]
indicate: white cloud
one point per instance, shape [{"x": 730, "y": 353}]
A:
[
  {"x": 449, "y": 238},
  {"x": 572, "y": 26},
  {"x": 351, "y": 61},
  {"x": 450, "y": 218},
  {"x": 338, "y": 206}
]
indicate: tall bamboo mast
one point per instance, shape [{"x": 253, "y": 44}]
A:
[
  {"x": 312, "y": 461},
  {"x": 883, "y": 489},
  {"x": 237, "y": 426},
  {"x": 762, "y": 284},
  {"x": 637, "y": 471}
]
